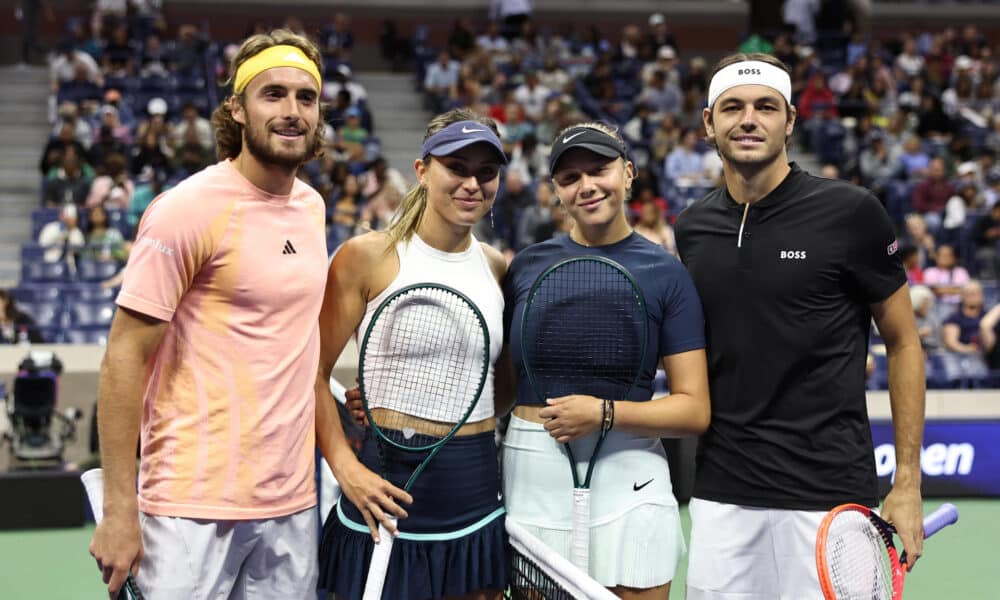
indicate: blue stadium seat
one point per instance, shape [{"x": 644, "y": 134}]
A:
[
  {"x": 91, "y": 314},
  {"x": 94, "y": 270},
  {"x": 88, "y": 292},
  {"x": 43, "y": 271},
  {"x": 45, "y": 314},
  {"x": 86, "y": 335},
  {"x": 31, "y": 251},
  {"x": 41, "y": 216},
  {"x": 37, "y": 292}
]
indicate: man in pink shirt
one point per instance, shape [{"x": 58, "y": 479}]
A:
[{"x": 214, "y": 352}]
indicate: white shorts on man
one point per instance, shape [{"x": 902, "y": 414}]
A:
[{"x": 749, "y": 553}]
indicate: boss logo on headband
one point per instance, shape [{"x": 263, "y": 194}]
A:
[{"x": 748, "y": 72}]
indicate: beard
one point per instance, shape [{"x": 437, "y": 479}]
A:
[{"x": 257, "y": 144}]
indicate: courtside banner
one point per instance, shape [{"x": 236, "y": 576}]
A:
[{"x": 959, "y": 458}]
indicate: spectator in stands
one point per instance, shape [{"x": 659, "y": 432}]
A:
[
  {"x": 351, "y": 135},
  {"x": 461, "y": 39},
  {"x": 933, "y": 121},
  {"x": 58, "y": 146},
  {"x": 150, "y": 184},
  {"x": 491, "y": 42},
  {"x": 152, "y": 151},
  {"x": 69, "y": 181},
  {"x": 192, "y": 127},
  {"x": 658, "y": 33},
  {"x": 928, "y": 322},
  {"x": 920, "y": 238},
  {"x": 189, "y": 50},
  {"x": 104, "y": 146},
  {"x": 986, "y": 233},
  {"x": 511, "y": 201},
  {"x": 118, "y": 58},
  {"x": 154, "y": 60},
  {"x": 914, "y": 161},
  {"x": 660, "y": 95},
  {"x": 337, "y": 39},
  {"x": 511, "y": 14},
  {"x": 110, "y": 122},
  {"x": 534, "y": 217},
  {"x": 341, "y": 79},
  {"x": 62, "y": 239},
  {"x": 532, "y": 95},
  {"x": 960, "y": 331},
  {"x": 441, "y": 75},
  {"x": 947, "y": 277},
  {"x": 665, "y": 138},
  {"x": 652, "y": 223},
  {"x": 554, "y": 77},
  {"x": 909, "y": 63},
  {"x": 931, "y": 195},
  {"x": 875, "y": 165},
  {"x": 69, "y": 114},
  {"x": 64, "y": 67},
  {"x": 666, "y": 62},
  {"x": 104, "y": 242},
  {"x": 529, "y": 159},
  {"x": 15, "y": 325},
  {"x": 685, "y": 165},
  {"x": 126, "y": 116},
  {"x": 347, "y": 206},
  {"x": 384, "y": 188},
  {"x": 817, "y": 100},
  {"x": 910, "y": 256},
  {"x": 966, "y": 201},
  {"x": 114, "y": 189}
]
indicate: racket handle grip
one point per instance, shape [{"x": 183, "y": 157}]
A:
[
  {"x": 379, "y": 565},
  {"x": 944, "y": 516},
  {"x": 580, "y": 551},
  {"x": 93, "y": 484}
]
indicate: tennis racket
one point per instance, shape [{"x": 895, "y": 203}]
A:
[
  {"x": 855, "y": 555},
  {"x": 584, "y": 331},
  {"x": 93, "y": 484},
  {"x": 423, "y": 364}
]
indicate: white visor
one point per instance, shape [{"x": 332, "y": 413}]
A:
[{"x": 751, "y": 72}]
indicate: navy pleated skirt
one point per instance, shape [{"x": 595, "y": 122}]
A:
[{"x": 453, "y": 541}]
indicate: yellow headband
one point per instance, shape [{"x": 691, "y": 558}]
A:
[{"x": 273, "y": 57}]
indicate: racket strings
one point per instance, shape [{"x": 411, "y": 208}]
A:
[
  {"x": 584, "y": 329},
  {"x": 858, "y": 561},
  {"x": 424, "y": 361}
]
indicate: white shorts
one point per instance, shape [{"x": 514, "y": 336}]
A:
[
  {"x": 195, "y": 558},
  {"x": 749, "y": 553},
  {"x": 635, "y": 533}
]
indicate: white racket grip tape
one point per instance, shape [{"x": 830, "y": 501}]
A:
[
  {"x": 945, "y": 515},
  {"x": 580, "y": 552},
  {"x": 380, "y": 564},
  {"x": 93, "y": 484}
]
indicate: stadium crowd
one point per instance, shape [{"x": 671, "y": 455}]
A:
[{"x": 915, "y": 118}]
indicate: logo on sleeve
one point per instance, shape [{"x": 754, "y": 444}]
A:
[
  {"x": 289, "y": 248},
  {"x": 892, "y": 248},
  {"x": 792, "y": 254}
]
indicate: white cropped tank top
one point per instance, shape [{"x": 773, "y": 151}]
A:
[{"x": 468, "y": 272}]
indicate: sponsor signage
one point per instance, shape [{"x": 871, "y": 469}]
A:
[{"x": 959, "y": 458}]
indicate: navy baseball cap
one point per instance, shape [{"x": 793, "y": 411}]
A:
[
  {"x": 456, "y": 136},
  {"x": 587, "y": 138}
]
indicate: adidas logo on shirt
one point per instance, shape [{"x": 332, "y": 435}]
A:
[{"x": 289, "y": 248}]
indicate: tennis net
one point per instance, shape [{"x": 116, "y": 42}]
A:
[{"x": 540, "y": 573}]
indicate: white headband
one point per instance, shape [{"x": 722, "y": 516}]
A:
[{"x": 751, "y": 72}]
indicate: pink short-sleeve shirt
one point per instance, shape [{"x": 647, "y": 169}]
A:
[{"x": 229, "y": 409}]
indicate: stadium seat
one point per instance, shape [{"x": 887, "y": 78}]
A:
[
  {"x": 88, "y": 292},
  {"x": 40, "y": 217},
  {"x": 43, "y": 271},
  {"x": 32, "y": 252},
  {"x": 94, "y": 270},
  {"x": 91, "y": 314},
  {"x": 85, "y": 335},
  {"x": 37, "y": 292},
  {"x": 45, "y": 314}
]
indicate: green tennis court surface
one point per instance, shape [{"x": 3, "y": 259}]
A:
[{"x": 957, "y": 563}]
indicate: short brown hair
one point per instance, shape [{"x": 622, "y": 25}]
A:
[{"x": 229, "y": 133}]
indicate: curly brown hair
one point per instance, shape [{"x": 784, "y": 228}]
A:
[{"x": 229, "y": 133}]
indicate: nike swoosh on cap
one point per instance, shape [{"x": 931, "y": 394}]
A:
[
  {"x": 566, "y": 139},
  {"x": 467, "y": 130}
]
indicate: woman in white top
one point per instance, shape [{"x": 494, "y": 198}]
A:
[{"x": 451, "y": 537}]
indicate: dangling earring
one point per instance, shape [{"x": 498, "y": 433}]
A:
[{"x": 493, "y": 225}]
